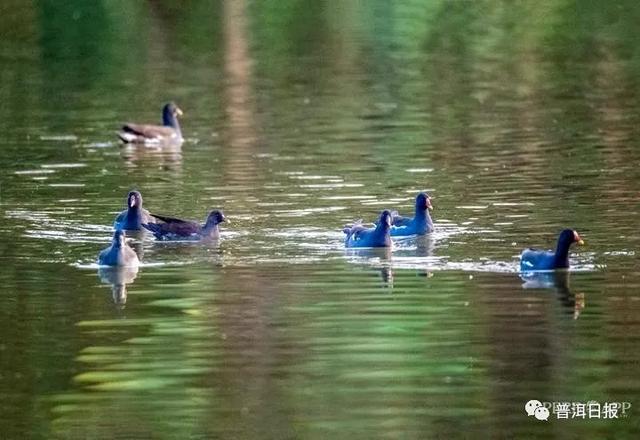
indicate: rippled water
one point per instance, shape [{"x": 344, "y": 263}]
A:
[{"x": 519, "y": 120}]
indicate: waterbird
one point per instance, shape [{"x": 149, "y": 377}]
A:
[
  {"x": 421, "y": 222},
  {"x": 359, "y": 235},
  {"x": 119, "y": 253},
  {"x": 169, "y": 228},
  {"x": 168, "y": 132},
  {"x": 131, "y": 219},
  {"x": 534, "y": 259}
]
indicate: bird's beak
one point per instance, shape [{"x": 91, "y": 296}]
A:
[
  {"x": 581, "y": 242},
  {"x": 578, "y": 239},
  {"x": 429, "y": 205},
  {"x": 179, "y": 112},
  {"x": 226, "y": 220},
  {"x": 132, "y": 202}
]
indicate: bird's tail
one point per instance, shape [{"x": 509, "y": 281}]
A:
[{"x": 127, "y": 138}]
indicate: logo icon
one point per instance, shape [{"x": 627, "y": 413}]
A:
[
  {"x": 531, "y": 405},
  {"x": 541, "y": 413}
]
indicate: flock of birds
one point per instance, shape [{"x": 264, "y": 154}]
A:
[
  {"x": 136, "y": 218},
  {"x": 358, "y": 235}
]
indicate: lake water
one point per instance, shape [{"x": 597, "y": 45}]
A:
[{"x": 520, "y": 119}]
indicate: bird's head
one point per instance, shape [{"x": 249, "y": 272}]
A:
[
  {"x": 134, "y": 199},
  {"x": 215, "y": 217},
  {"x": 385, "y": 218},
  {"x": 423, "y": 201}
]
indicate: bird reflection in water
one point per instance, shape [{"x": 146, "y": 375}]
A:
[
  {"x": 415, "y": 251},
  {"x": 425, "y": 244},
  {"x": 166, "y": 157},
  {"x": 378, "y": 258},
  {"x": 559, "y": 281},
  {"x": 118, "y": 278}
]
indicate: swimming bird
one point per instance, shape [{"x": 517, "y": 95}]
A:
[
  {"x": 534, "y": 259},
  {"x": 119, "y": 253},
  {"x": 169, "y": 228},
  {"x": 169, "y": 131},
  {"x": 359, "y": 235},
  {"x": 131, "y": 219},
  {"x": 420, "y": 224}
]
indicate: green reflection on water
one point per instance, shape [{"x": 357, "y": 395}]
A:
[{"x": 301, "y": 116}]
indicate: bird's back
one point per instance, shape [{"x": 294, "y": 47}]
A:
[
  {"x": 139, "y": 133},
  {"x": 360, "y": 236},
  {"x": 169, "y": 228},
  {"x": 410, "y": 225},
  {"x": 535, "y": 259},
  {"x": 398, "y": 221}
]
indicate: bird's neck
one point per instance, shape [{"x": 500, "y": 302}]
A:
[
  {"x": 169, "y": 120},
  {"x": 562, "y": 254},
  {"x": 382, "y": 232},
  {"x": 133, "y": 211},
  {"x": 423, "y": 217},
  {"x": 382, "y": 227},
  {"x": 210, "y": 230}
]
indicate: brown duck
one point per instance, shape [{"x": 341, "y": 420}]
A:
[
  {"x": 169, "y": 228},
  {"x": 169, "y": 131}
]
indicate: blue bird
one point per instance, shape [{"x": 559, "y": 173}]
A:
[
  {"x": 359, "y": 235},
  {"x": 420, "y": 224},
  {"x": 119, "y": 253},
  {"x": 534, "y": 259},
  {"x": 132, "y": 218},
  {"x": 169, "y": 228},
  {"x": 169, "y": 131}
]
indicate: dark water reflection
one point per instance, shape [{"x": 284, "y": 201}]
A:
[
  {"x": 118, "y": 278},
  {"x": 558, "y": 281},
  {"x": 519, "y": 119}
]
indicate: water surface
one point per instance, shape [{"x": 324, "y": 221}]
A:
[{"x": 518, "y": 119}]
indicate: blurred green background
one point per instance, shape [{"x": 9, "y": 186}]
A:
[{"x": 519, "y": 117}]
